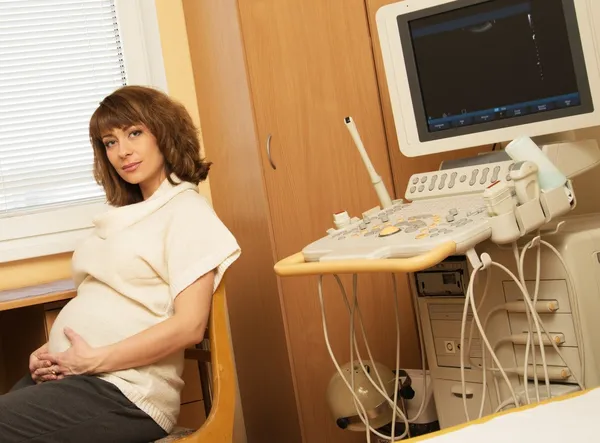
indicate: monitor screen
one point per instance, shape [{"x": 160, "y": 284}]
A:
[{"x": 476, "y": 65}]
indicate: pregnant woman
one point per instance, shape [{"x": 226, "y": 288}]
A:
[{"x": 111, "y": 370}]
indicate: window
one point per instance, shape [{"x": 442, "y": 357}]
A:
[{"x": 58, "y": 59}]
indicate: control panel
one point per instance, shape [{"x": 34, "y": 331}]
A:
[
  {"x": 405, "y": 230},
  {"x": 445, "y": 205},
  {"x": 459, "y": 181},
  {"x": 498, "y": 200}
]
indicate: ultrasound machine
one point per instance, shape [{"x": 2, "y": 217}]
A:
[{"x": 504, "y": 272}]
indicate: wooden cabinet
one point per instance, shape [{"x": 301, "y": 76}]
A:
[
  {"x": 22, "y": 331},
  {"x": 282, "y": 74},
  {"x": 310, "y": 64}
]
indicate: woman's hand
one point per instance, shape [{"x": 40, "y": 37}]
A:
[
  {"x": 79, "y": 359},
  {"x": 42, "y": 370}
]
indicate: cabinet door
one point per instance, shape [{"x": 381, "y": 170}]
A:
[{"x": 310, "y": 64}]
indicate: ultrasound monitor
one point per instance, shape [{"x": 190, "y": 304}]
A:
[{"x": 464, "y": 73}]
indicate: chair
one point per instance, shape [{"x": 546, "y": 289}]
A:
[{"x": 218, "y": 427}]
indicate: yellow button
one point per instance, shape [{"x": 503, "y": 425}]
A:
[
  {"x": 389, "y": 230},
  {"x": 421, "y": 236}
]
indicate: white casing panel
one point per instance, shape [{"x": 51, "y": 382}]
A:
[
  {"x": 588, "y": 16},
  {"x": 579, "y": 243}
]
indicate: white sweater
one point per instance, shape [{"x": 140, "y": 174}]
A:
[{"x": 128, "y": 273}]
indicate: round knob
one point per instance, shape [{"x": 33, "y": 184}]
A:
[
  {"x": 389, "y": 230},
  {"x": 342, "y": 423},
  {"x": 407, "y": 392}
]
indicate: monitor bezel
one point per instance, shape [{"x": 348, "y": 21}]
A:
[
  {"x": 548, "y": 122},
  {"x": 586, "y": 105}
]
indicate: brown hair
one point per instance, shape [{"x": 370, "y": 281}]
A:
[{"x": 166, "y": 119}]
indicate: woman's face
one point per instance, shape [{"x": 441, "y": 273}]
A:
[{"x": 135, "y": 155}]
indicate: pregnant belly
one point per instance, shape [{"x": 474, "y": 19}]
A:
[{"x": 101, "y": 319}]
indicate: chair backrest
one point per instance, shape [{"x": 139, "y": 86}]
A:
[{"x": 218, "y": 427}]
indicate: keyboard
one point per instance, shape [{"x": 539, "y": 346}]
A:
[{"x": 446, "y": 206}]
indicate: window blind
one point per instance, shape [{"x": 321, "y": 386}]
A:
[{"x": 58, "y": 60}]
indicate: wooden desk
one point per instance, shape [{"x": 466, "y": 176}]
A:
[
  {"x": 58, "y": 291},
  {"x": 26, "y": 317}
]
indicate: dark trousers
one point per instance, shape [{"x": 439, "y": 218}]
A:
[{"x": 77, "y": 409}]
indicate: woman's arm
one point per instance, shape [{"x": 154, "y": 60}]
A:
[{"x": 185, "y": 328}]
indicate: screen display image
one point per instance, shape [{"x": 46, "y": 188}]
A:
[{"x": 494, "y": 61}]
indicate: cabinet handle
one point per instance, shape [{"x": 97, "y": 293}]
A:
[
  {"x": 269, "y": 152},
  {"x": 457, "y": 391}
]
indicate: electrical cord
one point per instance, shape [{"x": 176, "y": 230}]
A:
[
  {"x": 533, "y": 316},
  {"x": 503, "y": 405},
  {"x": 361, "y": 411},
  {"x": 354, "y": 348},
  {"x": 462, "y": 333},
  {"x": 482, "y": 301},
  {"x": 488, "y": 317},
  {"x": 423, "y": 366},
  {"x": 469, "y": 302},
  {"x": 407, "y": 428},
  {"x": 493, "y": 311},
  {"x": 380, "y": 387},
  {"x": 484, "y": 337},
  {"x": 520, "y": 260},
  {"x": 421, "y": 342},
  {"x": 484, "y": 384},
  {"x": 574, "y": 300},
  {"x": 393, "y": 403},
  {"x": 483, "y": 350},
  {"x": 539, "y": 325},
  {"x": 528, "y": 302}
]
